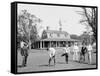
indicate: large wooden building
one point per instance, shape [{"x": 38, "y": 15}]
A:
[{"x": 53, "y": 38}]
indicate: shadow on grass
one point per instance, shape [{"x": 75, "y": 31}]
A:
[
  {"x": 45, "y": 65},
  {"x": 60, "y": 62},
  {"x": 87, "y": 63},
  {"x": 20, "y": 66},
  {"x": 93, "y": 64}
]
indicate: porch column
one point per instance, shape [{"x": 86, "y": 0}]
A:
[
  {"x": 50, "y": 43},
  {"x": 66, "y": 42},
  {"x": 40, "y": 44},
  {"x": 59, "y": 43},
  {"x": 56, "y": 43}
]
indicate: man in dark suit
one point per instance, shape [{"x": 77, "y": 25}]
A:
[
  {"x": 24, "y": 53},
  {"x": 83, "y": 52}
]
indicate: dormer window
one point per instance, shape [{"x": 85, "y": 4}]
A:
[
  {"x": 65, "y": 35},
  {"x": 58, "y": 35},
  {"x": 50, "y": 34}
]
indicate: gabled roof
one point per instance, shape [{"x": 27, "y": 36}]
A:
[
  {"x": 57, "y": 39},
  {"x": 56, "y": 31}
]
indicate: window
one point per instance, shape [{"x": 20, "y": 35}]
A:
[
  {"x": 58, "y": 35},
  {"x": 65, "y": 35},
  {"x": 50, "y": 34}
]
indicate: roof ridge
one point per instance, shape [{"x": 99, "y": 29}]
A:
[{"x": 56, "y": 31}]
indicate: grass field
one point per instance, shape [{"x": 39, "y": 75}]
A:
[{"x": 38, "y": 61}]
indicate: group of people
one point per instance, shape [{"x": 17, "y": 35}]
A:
[{"x": 79, "y": 53}]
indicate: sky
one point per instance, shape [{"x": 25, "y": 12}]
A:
[{"x": 51, "y": 15}]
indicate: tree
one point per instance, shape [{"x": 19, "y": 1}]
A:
[
  {"x": 27, "y": 26},
  {"x": 90, "y": 20},
  {"x": 85, "y": 38}
]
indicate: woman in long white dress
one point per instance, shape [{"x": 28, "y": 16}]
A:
[
  {"x": 76, "y": 52},
  {"x": 89, "y": 48}
]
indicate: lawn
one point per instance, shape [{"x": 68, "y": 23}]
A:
[{"x": 38, "y": 61}]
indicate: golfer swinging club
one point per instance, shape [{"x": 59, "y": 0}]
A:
[{"x": 52, "y": 52}]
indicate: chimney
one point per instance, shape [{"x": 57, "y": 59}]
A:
[
  {"x": 60, "y": 29},
  {"x": 47, "y": 28}
]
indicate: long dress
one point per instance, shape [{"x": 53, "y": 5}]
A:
[
  {"x": 76, "y": 53},
  {"x": 89, "y": 47}
]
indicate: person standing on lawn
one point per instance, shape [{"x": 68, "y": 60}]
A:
[
  {"x": 76, "y": 52},
  {"x": 52, "y": 53},
  {"x": 83, "y": 52},
  {"x": 66, "y": 52},
  {"x": 89, "y": 49},
  {"x": 24, "y": 53}
]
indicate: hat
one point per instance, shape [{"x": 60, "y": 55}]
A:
[{"x": 75, "y": 44}]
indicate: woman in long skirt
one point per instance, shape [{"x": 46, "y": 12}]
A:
[
  {"x": 76, "y": 52},
  {"x": 89, "y": 48}
]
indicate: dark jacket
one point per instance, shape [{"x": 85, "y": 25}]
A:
[
  {"x": 24, "y": 51},
  {"x": 83, "y": 50}
]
